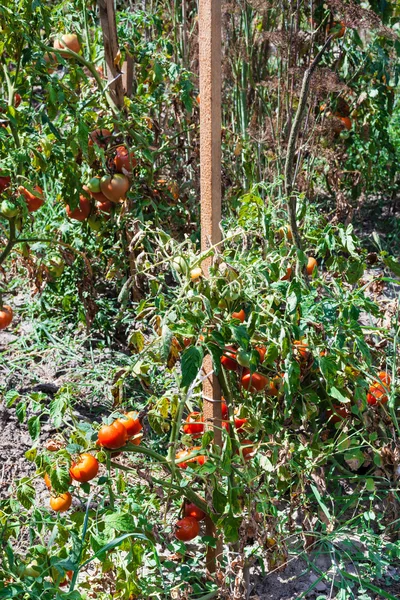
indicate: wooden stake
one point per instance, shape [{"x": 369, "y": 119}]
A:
[
  {"x": 210, "y": 187},
  {"x": 111, "y": 50}
]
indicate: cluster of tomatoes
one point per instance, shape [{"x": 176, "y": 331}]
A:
[
  {"x": 86, "y": 467},
  {"x": 188, "y": 528},
  {"x": 378, "y": 392}
]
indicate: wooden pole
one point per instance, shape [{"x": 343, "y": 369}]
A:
[
  {"x": 210, "y": 191},
  {"x": 111, "y": 50}
]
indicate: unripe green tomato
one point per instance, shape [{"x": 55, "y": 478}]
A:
[
  {"x": 8, "y": 209},
  {"x": 30, "y": 570},
  {"x": 94, "y": 223},
  {"x": 344, "y": 134},
  {"x": 56, "y": 266},
  {"x": 181, "y": 265},
  {"x": 243, "y": 358},
  {"x": 94, "y": 185},
  {"x": 222, "y": 303}
]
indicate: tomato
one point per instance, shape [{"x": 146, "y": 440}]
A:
[
  {"x": 81, "y": 212},
  {"x": 262, "y": 351},
  {"x": 131, "y": 423},
  {"x": 56, "y": 266},
  {"x": 33, "y": 201},
  {"x": 5, "y": 182},
  {"x": 224, "y": 410},
  {"x": 377, "y": 393},
  {"x": 254, "y": 382},
  {"x": 68, "y": 40},
  {"x": 61, "y": 503},
  {"x": 100, "y": 137},
  {"x": 47, "y": 481},
  {"x": 346, "y": 122},
  {"x": 285, "y": 231},
  {"x": 8, "y": 209},
  {"x": 247, "y": 450},
  {"x": 239, "y": 424},
  {"x": 338, "y": 414},
  {"x": 105, "y": 207},
  {"x": 124, "y": 161},
  {"x": 243, "y": 358},
  {"x": 191, "y": 510},
  {"x": 241, "y": 315},
  {"x": 311, "y": 265},
  {"x": 68, "y": 576},
  {"x": 17, "y": 100},
  {"x": 187, "y": 529},
  {"x": 228, "y": 360},
  {"x": 85, "y": 469},
  {"x": 272, "y": 389},
  {"x": 115, "y": 188},
  {"x": 226, "y": 425},
  {"x": 340, "y": 27},
  {"x": 6, "y": 316},
  {"x": 113, "y": 436},
  {"x": 194, "y": 425},
  {"x": 93, "y": 187},
  {"x": 384, "y": 377},
  {"x": 301, "y": 349},
  {"x": 288, "y": 274},
  {"x": 179, "y": 455},
  {"x": 196, "y": 273},
  {"x": 136, "y": 440}
]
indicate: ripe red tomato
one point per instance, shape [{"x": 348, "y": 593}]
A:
[
  {"x": 312, "y": 263},
  {"x": 100, "y": 137},
  {"x": 228, "y": 359},
  {"x": 191, "y": 510},
  {"x": 224, "y": 409},
  {"x": 6, "y": 316},
  {"x": 194, "y": 425},
  {"x": 5, "y": 182},
  {"x": 187, "y": 529},
  {"x": 131, "y": 423},
  {"x": 338, "y": 414},
  {"x": 105, "y": 207},
  {"x": 124, "y": 160},
  {"x": 61, "y": 503},
  {"x": 17, "y": 100},
  {"x": 301, "y": 349},
  {"x": 179, "y": 455},
  {"x": 241, "y": 315},
  {"x": 68, "y": 576},
  {"x": 262, "y": 352},
  {"x": 239, "y": 424},
  {"x": 377, "y": 393},
  {"x": 287, "y": 275},
  {"x": 85, "y": 469},
  {"x": 81, "y": 212},
  {"x": 33, "y": 201},
  {"x": 113, "y": 436},
  {"x": 255, "y": 382},
  {"x": 115, "y": 188},
  {"x": 247, "y": 450}
]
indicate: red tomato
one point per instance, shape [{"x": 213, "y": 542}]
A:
[
  {"x": 194, "y": 425},
  {"x": 179, "y": 455},
  {"x": 115, "y": 188},
  {"x": 338, "y": 414},
  {"x": 131, "y": 423},
  {"x": 224, "y": 410},
  {"x": 124, "y": 160},
  {"x": 241, "y": 315},
  {"x": 5, "y": 182},
  {"x": 85, "y": 469},
  {"x": 288, "y": 274},
  {"x": 81, "y": 212},
  {"x": 228, "y": 360},
  {"x": 33, "y": 201},
  {"x": 377, "y": 393},
  {"x": 17, "y": 100},
  {"x": 100, "y": 137},
  {"x": 113, "y": 436},
  {"x": 262, "y": 352},
  {"x": 255, "y": 382},
  {"x": 247, "y": 450},
  {"x": 225, "y": 425},
  {"x": 301, "y": 349},
  {"x": 239, "y": 424},
  {"x": 191, "y": 510},
  {"x": 6, "y": 316},
  {"x": 187, "y": 529}
]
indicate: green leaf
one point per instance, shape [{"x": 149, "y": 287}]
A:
[
  {"x": 191, "y": 363},
  {"x": 216, "y": 354},
  {"x": 338, "y": 395},
  {"x": 11, "y": 397},
  {"x": 34, "y": 427},
  {"x": 166, "y": 340},
  {"x": 392, "y": 264},
  {"x": 120, "y": 522},
  {"x": 20, "y": 411},
  {"x": 320, "y": 502},
  {"x": 57, "y": 409}
]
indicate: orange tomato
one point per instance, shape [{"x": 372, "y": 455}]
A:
[
  {"x": 288, "y": 274},
  {"x": 33, "y": 201},
  {"x": 113, "y": 436},
  {"x": 346, "y": 122},
  {"x": 82, "y": 211},
  {"x": 262, "y": 352},
  {"x": 61, "y": 503},
  {"x": 377, "y": 393},
  {"x": 194, "y": 425},
  {"x": 85, "y": 469},
  {"x": 68, "y": 40},
  {"x": 241, "y": 315},
  {"x": 247, "y": 450},
  {"x": 301, "y": 349},
  {"x": 384, "y": 377},
  {"x": 311, "y": 265},
  {"x": 131, "y": 423}
]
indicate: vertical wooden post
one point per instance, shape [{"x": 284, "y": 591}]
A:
[
  {"x": 111, "y": 50},
  {"x": 210, "y": 188}
]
